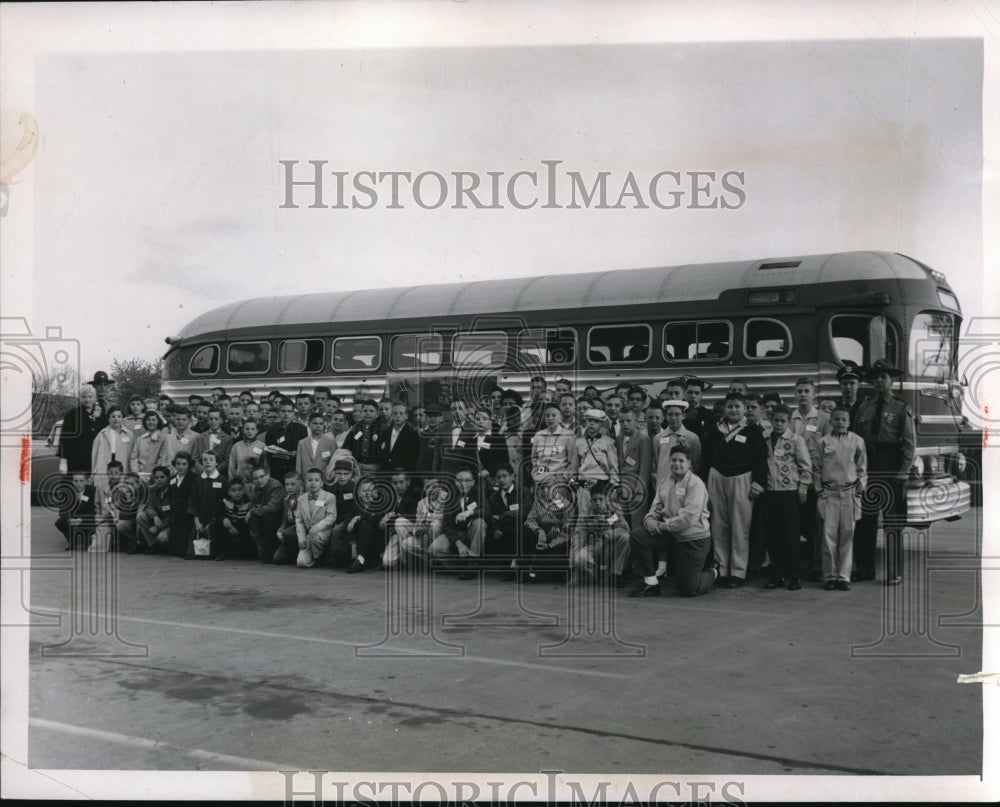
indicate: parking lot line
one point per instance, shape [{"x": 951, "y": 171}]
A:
[
  {"x": 342, "y": 642},
  {"x": 157, "y": 745}
]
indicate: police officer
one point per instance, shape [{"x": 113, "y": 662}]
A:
[
  {"x": 849, "y": 378},
  {"x": 885, "y": 423}
]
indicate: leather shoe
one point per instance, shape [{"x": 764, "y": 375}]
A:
[
  {"x": 843, "y": 585},
  {"x": 829, "y": 585},
  {"x": 735, "y": 582},
  {"x": 646, "y": 590},
  {"x": 356, "y": 567},
  {"x": 775, "y": 582},
  {"x": 794, "y": 584}
]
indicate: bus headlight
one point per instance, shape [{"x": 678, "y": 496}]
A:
[
  {"x": 917, "y": 468},
  {"x": 960, "y": 462},
  {"x": 933, "y": 466}
]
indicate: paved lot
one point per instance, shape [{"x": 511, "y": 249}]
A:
[{"x": 234, "y": 665}]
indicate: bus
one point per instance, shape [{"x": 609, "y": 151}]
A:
[{"x": 766, "y": 321}]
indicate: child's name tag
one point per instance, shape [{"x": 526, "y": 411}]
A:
[
  {"x": 358, "y": 435},
  {"x": 779, "y": 452},
  {"x": 827, "y": 448},
  {"x": 173, "y": 481},
  {"x": 214, "y": 441},
  {"x": 348, "y": 497},
  {"x": 613, "y": 518},
  {"x": 460, "y": 444},
  {"x": 216, "y": 484},
  {"x": 184, "y": 440},
  {"x": 256, "y": 449},
  {"x": 681, "y": 491},
  {"x": 325, "y": 454},
  {"x": 280, "y": 439},
  {"x": 472, "y": 507},
  {"x": 84, "y": 498},
  {"x": 513, "y": 508},
  {"x": 664, "y": 441},
  {"x": 810, "y": 427},
  {"x": 630, "y": 460},
  {"x": 165, "y": 508},
  {"x": 740, "y": 438},
  {"x": 124, "y": 439},
  {"x": 108, "y": 502},
  {"x": 559, "y": 504}
]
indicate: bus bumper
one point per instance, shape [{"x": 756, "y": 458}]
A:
[{"x": 937, "y": 500}]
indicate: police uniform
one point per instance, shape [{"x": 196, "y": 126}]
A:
[{"x": 888, "y": 431}]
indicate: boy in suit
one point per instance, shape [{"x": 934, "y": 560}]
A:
[
  {"x": 509, "y": 504},
  {"x": 266, "y": 495},
  {"x": 286, "y": 536},
  {"x": 399, "y": 521},
  {"x": 363, "y": 439},
  {"x": 216, "y": 440},
  {"x": 314, "y": 518},
  {"x": 400, "y": 442},
  {"x": 315, "y": 450},
  {"x": 635, "y": 458},
  {"x": 464, "y": 523}
]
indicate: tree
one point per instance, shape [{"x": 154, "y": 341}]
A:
[{"x": 136, "y": 377}]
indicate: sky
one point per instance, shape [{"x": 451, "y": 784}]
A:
[{"x": 159, "y": 189}]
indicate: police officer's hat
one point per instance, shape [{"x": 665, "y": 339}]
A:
[
  {"x": 101, "y": 377},
  {"x": 849, "y": 370},
  {"x": 883, "y": 366}
]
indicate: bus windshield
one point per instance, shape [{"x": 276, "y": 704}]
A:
[{"x": 932, "y": 346}]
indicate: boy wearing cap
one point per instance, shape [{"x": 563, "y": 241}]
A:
[
  {"x": 840, "y": 480},
  {"x": 598, "y": 456},
  {"x": 736, "y": 460},
  {"x": 885, "y": 423}
]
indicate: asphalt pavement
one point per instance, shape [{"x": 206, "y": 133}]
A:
[{"x": 204, "y": 665}]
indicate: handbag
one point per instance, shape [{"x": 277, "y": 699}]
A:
[{"x": 202, "y": 547}]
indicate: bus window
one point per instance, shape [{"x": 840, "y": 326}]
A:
[
  {"x": 862, "y": 338},
  {"x": 932, "y": 346},
  {"x": 479, "y": 349},
  {"x": 413, "y": 351},
  {"x": 619, "y": 344},
  {"x": 300, "y": 356},
  {"x": 546, "y": 347},
  {"x": 245, "y": 358},
  {"x": 205, "y": 361},
  {"x": 357, "y": 353},
  {"x": 766, "y": 339},
  {"x": 685, "y": 341}
]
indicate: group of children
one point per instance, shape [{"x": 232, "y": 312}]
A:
[{"x": 615, "y": 483}]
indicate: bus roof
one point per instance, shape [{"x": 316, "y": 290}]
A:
[{"x": 621, "y": 287}]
